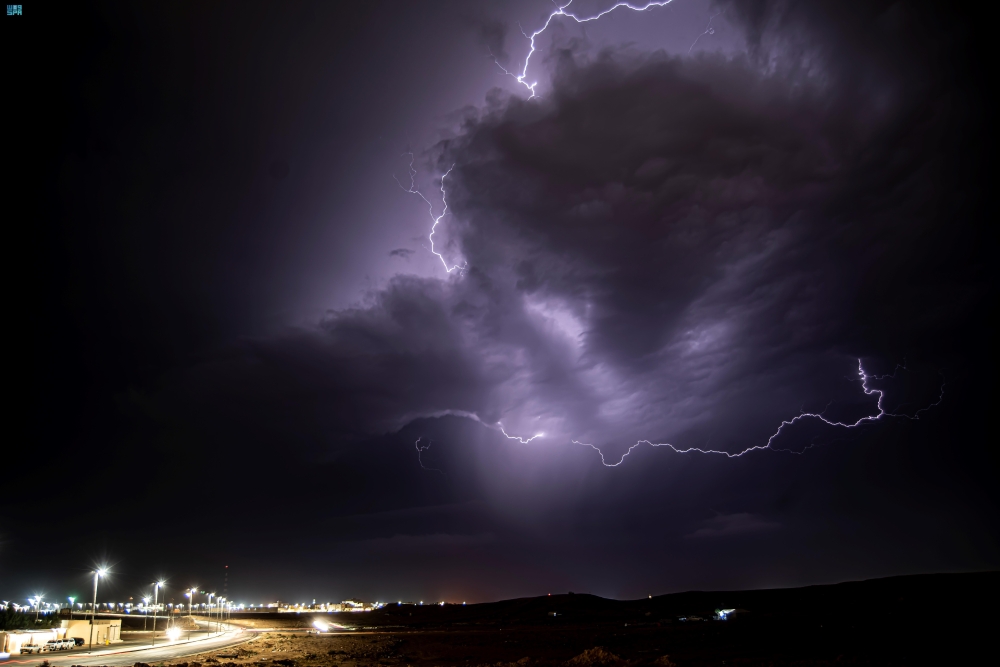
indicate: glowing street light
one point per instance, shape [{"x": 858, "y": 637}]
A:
[
  {"x": 98, "y": 573},
  {"x": 38, "y": 605},
  {"x": 71, "y": 601},
  {"x": 156, "y": 592},
  {"x": 190, "y": 594}
]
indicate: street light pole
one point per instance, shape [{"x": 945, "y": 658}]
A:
[
  {"x": 38, "y": 606},
  {"x": 190, "y": 595},
  {"x": 71, "y": 601},
  {"x": 93, "y": 608},
  {"x": 156, "y": 593}
]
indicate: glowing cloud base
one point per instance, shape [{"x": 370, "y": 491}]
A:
[{"x": 563, "y": 10}]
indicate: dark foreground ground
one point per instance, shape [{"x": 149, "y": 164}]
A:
[{"x": 919, "y": 620}]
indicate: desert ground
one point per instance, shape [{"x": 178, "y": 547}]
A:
[{"x": 938, "y": 619}]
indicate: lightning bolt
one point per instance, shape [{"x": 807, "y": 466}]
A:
[
  {"x": 420, "y": 450},
  {"x": 561, "y": 10},
  {"x": 523, "y": 441},
  {"x": 862, "y": 375},
  {"x": 423, "y": 448},
  {"x": 435, "y": 219},
  {"x": 709, "y": 30}
]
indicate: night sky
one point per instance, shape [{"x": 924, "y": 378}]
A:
[{"x": 233, "y": 344}]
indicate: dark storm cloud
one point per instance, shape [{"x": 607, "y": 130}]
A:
[
  {"x": 364, "y": 371},
  {"x": 676, "y": 249},
  {"x": 687, "y": 250}
]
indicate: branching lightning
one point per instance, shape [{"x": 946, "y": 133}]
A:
[
  {"x": 862, "y": 375},
  {"x": 561, "y": 10},
  {"x": 435, "y": 219}
]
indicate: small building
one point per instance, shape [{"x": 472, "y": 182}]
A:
[
  {"x": 12, "y": 641},
  {"x": 106, "y": 630}
]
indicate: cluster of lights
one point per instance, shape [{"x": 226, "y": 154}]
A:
[{"x": 173, "y": 633}]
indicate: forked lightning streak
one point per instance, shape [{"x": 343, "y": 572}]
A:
[{"x": 864, "y": 377}]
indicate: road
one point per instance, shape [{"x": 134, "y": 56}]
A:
[{"x": 129, "y": 653}]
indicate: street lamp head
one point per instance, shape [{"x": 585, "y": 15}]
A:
[
  {"x": 101, "y": 571},
  {"x": 159, "y": 584}
]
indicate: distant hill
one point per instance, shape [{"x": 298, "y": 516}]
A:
[
  {"x": 931, "y": 595},
  {"x": 938, "y": 619}
]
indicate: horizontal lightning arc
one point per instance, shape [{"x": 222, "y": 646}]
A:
[
  {"x": 523, "y": 441},
  {"x": 788, "y": 422}
]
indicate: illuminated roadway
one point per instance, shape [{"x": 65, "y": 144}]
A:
[{"x": 129, "y": 653}]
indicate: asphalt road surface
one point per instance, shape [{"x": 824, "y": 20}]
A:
[{"x": 128, "y": 653}]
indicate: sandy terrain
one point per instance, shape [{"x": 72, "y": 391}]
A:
[{"x": 917, "y": 620}]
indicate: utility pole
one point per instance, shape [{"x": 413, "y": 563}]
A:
[
  {"x": 190, "y": 610},
  {"x": 225, "y": 587},
  {"x": 93, "y": 607},
  {"x": 156, "y": 592}
]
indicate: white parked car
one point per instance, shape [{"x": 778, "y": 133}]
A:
[
  {"x": 59, "y": 645},
  {"x": 31, "y": 648}
]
